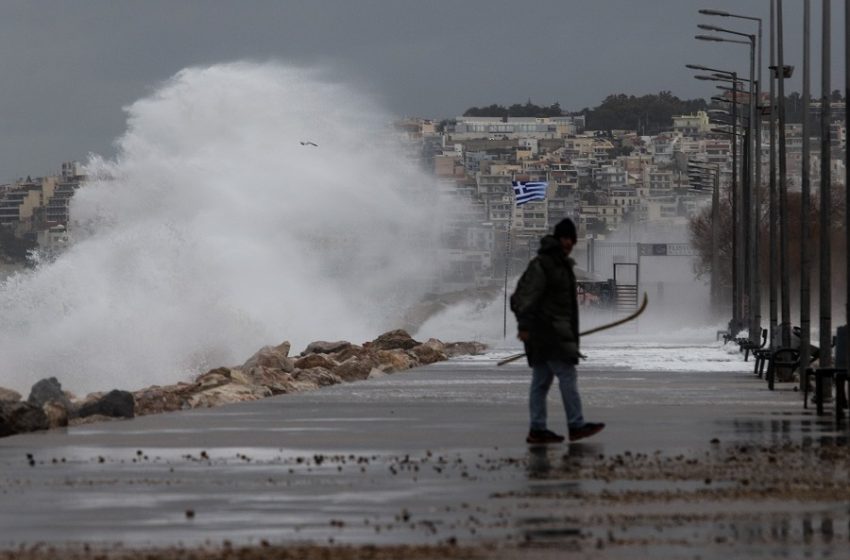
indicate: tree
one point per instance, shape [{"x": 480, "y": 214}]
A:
[
  {"x": 528, "y": 109},
  {"x": 649, "y": 114},
  {"x": 700, "y": 229},
  {"x": 14, "y": 248}
]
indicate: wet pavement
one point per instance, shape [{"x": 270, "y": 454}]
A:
[{"x": 691, "y": 464}]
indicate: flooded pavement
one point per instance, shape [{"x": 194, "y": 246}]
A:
[{"x": 694, "y": 464}]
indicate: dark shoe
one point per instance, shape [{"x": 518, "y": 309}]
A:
[
  {"x": 589, "y": 429},
  {"x": 543, "y": 436}
]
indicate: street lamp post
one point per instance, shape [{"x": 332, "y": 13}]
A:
[
  {"x": 847, "y": 187},
  {"x": 736, "y": 265},
  {"x": 751, "y": 197},
  {"x": 756, "y": 192},
  {"x": 825, "y": 358},
  {"x": 773, "y": 251},
  {"x": 739, "y": 208},
  {"x": 779, "y": 72},
  {"x": 702, "y": 172},
  {"x": 805, "y": 204},
  {"x": 784, "y": 275}
]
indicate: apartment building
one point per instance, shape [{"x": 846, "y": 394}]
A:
[
  {"x": 23, "y": 200},
  {"x": 692, "y": 125},
  {"x": 513, "y": 127}
]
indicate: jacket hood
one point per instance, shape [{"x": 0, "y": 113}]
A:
[{"x": 550, "y": 245}]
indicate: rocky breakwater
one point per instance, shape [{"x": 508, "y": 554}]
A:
[{"x": 270, "y": 371}]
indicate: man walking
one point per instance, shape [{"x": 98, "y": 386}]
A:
[{"x": 546, "y": 307}]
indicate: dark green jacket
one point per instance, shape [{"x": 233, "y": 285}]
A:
[{"x": 546, "y": 305}]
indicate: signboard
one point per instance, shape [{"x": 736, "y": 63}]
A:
[{"x": 665, "y": 250}]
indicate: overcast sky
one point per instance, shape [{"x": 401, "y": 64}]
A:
[{"x": 67, "y": 68}]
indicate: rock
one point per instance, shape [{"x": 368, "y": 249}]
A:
[
  {"x": 276, "y": 380},
  {"x": 156, "y": 399},
  {"x": 353, "y": 351},
  {"x": 430, "y": 352},
  {"x": 453, "y": 349},
  {"x": 392, "y": 340},
  {"x": 276, "y": 357},
  {"x": 56, "y": 414},
  {"x": 353, "y": 369},
  {"x": 323, "y": 347},
  {"x": 89, "y": 420},
  {"x": 315, "y": 360},
  {"x": 213, "y": 378},
  {"x": 283, "y": 348},
  {"x": 390, "y": 361},
  {"x": 48, "y": 390},
  {"x": 226, "y": 394},
  {"x": 117, "y": 404},
  {"x": 21, "y": 417},
  {"x": 375, "y": 373},
  {"x": 319, "y": 376},
  {"x": 8, "y": 395},
  {"x": 238, "y": 376}
]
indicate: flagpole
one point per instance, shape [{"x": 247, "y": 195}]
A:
[
  {"x": 507, "y": 267},
  {"x": 523, "y": 191}
]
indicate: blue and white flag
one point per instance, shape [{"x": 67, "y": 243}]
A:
[{"x": 526, "y": 191}]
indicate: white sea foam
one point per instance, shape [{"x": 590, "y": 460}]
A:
[{"x": 215, "y": 231}]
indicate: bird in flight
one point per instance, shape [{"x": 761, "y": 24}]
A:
[{"x": 308, "y": 143}]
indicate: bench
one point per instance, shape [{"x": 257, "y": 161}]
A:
[
  {"x": 762, "y": 357},
  {"x": 782, "y": 359},
  {"x": 838, "y": 374},
  {"x": 748, "y": 345}
]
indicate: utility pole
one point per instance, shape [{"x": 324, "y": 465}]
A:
[
  {"x": 784, "y": 280},
  {"x": 805, "y": 205},
  {"x": 774, "y": 201},
  {"x": 825, "y": 358},
  {"x": 847, "y": 181}
]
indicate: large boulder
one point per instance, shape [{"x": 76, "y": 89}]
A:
[
  {"x": 352, "y": 351},
  {"x": 453, "y": 349},
  {"x": 93, "y": 419},
  {"x": 376, "y": 373},
  {"x": 8, "y": 395},
  {"x": 315, "y": 360},
  {"x": 430, "y": 352},
  {"x": 392, "y": 340},
  {"x": 226, "y": 394},
  {"x": 115, "y": 403},
  {"x": 354, "y": 369},
  {"x": 276, "y": 357},
  {"x": 157, "y": 399},
  {"x": 48, "y": 390},
  {"x": 56, "y": 414},
  {"x": 391, "y": 361},
  {"x": 21, "y": 417},
  {"x": 213, "y": 378},
  {"x": 318, "y": 376},
  {"x": 276, "y": 380},
  {"x": 324, "y": 347}
]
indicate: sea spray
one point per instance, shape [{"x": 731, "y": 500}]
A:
[{"x": 219, "y": 228}]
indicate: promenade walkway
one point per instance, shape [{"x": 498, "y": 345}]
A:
[{"x": 693, "y": 463}]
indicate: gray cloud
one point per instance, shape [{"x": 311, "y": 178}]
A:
[{"x": 68, "y": 68}]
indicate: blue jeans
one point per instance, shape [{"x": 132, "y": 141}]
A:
[{"x": 541, "y": 379}]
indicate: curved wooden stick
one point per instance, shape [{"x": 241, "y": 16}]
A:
[{"x": 594, "y": 330}]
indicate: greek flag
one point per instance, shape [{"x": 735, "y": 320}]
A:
[{"x": 526, "y": 191}]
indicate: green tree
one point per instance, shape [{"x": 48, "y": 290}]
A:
[
  {"x": 14, "y": 248},
  {"x": 528, "y": 109},
  {"x": 648, "y": 114}
]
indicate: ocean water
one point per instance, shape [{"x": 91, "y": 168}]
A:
[{"x": 215, "y": 231}]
